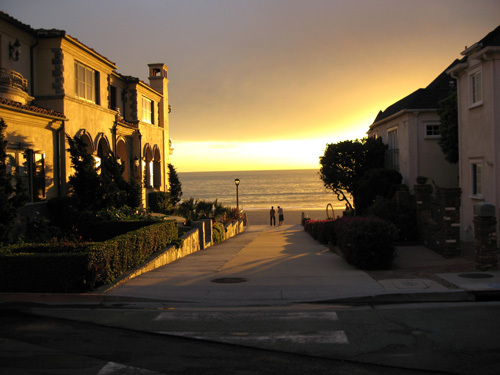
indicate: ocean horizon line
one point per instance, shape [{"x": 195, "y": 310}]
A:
[{"x": 255, "y": 170}]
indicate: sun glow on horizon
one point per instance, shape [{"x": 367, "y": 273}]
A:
[{"x": 273, "y": 154}]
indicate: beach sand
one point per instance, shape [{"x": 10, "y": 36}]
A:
[{"x": 261, "y": 217}]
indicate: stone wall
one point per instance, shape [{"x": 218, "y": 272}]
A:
[
  {"x": 439, "y": 218},
  {"x": 191, "y": 243}
]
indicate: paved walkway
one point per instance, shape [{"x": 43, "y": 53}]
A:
[{"x": 281, "y": 265}]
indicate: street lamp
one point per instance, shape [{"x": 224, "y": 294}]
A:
[{"x": 237, "y": 182}]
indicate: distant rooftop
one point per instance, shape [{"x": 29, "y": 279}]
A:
[{"x": 427, "y": 98}]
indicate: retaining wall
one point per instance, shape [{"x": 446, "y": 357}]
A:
[{"x": 190, "y": 244}]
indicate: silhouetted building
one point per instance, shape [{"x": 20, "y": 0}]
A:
[{"x": 410, "y": 128}]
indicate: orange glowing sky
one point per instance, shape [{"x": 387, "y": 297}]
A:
[{"x": 266, "y": 84}]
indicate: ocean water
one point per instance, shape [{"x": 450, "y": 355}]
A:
[{"x": 290, "y": 189}]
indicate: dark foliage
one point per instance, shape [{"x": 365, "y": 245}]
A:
[
  {"x": 448, "y": 128},
  {"x": 12, "y": 192},
  {"x": 175, "y": 185},
  {"x": 366, "y": 243},
  {"x": 376, "y": 183},
  {"x": 344, "y": 163}
]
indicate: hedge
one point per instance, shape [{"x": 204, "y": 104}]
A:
[
  {"x": 364, "y": 242},
  {"x": 82, "y": 267},
  {"x": 321, "y": 230}
]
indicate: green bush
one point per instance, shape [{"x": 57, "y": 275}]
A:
[
  {"x": 160, "y": 202},
  {"x": 366, "y": 242},
  {"x": 219, "y": 233},
  {"x": 70, "y": 267}
]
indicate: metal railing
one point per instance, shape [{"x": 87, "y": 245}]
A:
[{"x": 13, "y": 79}]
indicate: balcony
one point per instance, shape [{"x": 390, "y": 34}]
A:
[{"x": 13, "y": 86}]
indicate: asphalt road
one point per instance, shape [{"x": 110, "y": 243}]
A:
[{"x": 451, "y": 338}]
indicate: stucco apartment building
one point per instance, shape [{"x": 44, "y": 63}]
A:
[
  {"x": 478, "y": 82},
  {"x": 52, "y": 85},
  {"x": 410, "y": 128}
]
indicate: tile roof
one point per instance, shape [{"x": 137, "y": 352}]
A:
[
  {"x": 492, "y": 39},
  {"x": 16, "y": 22},
  {"x": 427, "y": 98},
  {"x": 32, "y": 108},
  {"x": 55, "y": 33}
]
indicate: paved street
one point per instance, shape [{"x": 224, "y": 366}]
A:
[
  {"x": 448, "y": 338},
  {"x": 268, "y": 301}
]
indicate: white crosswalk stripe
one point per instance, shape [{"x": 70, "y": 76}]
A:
[
  {"x": 323, "y": 337},
  {"x": 225, "y": 316},
  {"x": 254, "y": 327}
]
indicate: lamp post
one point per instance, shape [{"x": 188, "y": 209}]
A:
[{"x": 237, "y": 182}]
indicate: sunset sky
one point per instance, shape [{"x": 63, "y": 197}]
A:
[{"x": 266, "y": 84}]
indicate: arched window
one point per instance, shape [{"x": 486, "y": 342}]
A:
[
  {"x": 122, "y": 157},
  {"x": 156, "y": 168},
  {"x": 103, "y": 150},
  {"x": 148, "y": 166}
]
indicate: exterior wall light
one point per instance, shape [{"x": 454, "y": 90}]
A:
[{"x": 15, "y": 50}]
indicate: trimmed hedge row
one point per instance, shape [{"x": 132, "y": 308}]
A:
[
  {"x": 83, "y": 267},
  {"x": 365, "y": 242}
]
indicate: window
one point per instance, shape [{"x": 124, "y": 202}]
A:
[
  {"x": 147, "y": 110},
  {"x": 432, "y": 131},
  {"x": 476, "y": 86},
  {"x": 476, "y": 172},
  {"x": 393, "y": 151},
  {"x": 85, "y": 79},
  {"x": 112, "y": 98},
  {"x": 30, "y": 166}
]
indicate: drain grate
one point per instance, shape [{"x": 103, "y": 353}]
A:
[
  {"x": 229, "y": 280},
  {"x": 476, "y": 275}
]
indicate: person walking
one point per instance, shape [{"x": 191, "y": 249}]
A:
[
  {"x": 272, "y": 214},
  {"x": 280, "y": 215}
]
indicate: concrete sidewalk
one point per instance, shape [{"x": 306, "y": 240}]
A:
[{"x": 281, "y": 265}]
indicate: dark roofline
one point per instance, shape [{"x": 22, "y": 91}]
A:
[
  {"x": 32, "y": 108},
  {"x": 16, "y": 22},
  {"x": 421, "y": 99},
  {"x": 491, "y": 39},
  {"x": 55, "y": 33}
]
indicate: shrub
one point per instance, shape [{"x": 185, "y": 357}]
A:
[
  {"x": 376, "y": 183},
  {"x": 367, "y": 242},
  {"x": 402, "y": 212},
  {"x": 321, "y": 230},
  {"x": 160, "y": 202},
  {"x": 219, "y": 233},
  {"x": 78, "y": 267}
]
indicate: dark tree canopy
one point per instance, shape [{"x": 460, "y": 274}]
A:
[
  {"x": 344, "y": 164},
  {"x": 448, "y": 128}
]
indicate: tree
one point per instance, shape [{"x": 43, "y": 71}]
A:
[
  {"x": 344, "y": 164},
  {"x": 12, "y": 195},
  {"x": 94, "y": 191},
  {"x": 85, "y": 180},
  {"x": 175, "y": 185},
  {"x": 115, "y": 191},
  {"x": 448, "y": 128}
]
